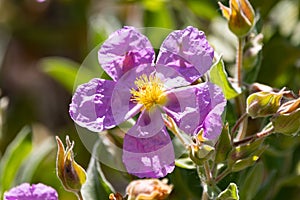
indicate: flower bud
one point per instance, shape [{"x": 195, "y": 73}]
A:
[
  {"x": 200, "y": 151},
  {"x": 262, "y": 104},
  {"x": 287, "y": 118},
  {"x": 71, "y": 175},
  {"x": 116, "y": 196},
  {"x": 148, "y": 189},
  {"x": 240, "y": 16}
]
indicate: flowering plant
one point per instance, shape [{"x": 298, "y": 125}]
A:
[
  {"x": 174, "y": 113},
  {"x": 157, "y": 91}
]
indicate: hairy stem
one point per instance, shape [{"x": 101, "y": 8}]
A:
[
  {"x": 240, "y": 100},
  {"x": 239, "y": 61},
  {"x": 238, "y": 122},
  {"x": 258, "y": 135},
  {"x": 222, "y": 175},
  {"x": 79, "y": 195},
  {"x": 208, "y": 173}
]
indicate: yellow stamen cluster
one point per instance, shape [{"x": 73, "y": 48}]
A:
[{"x": 150, "y": 91}]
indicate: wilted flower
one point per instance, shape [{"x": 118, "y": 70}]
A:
[
  {"x": 148, "y": 189},
  {"x": 25, "y": 191},
  {"x": 71, "y": 175},
  {"x": 287, "y": 118},
  {"x": 139, "y": 86},
  {"x": 240, "y": 16}
]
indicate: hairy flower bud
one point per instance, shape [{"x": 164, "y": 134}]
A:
[
  {"x": 148, "y": 189},
  {"x": 287, "y": 118},
  {"x": 116, "y": 196},
  {"x": 71, "y": 175},
  {"x": 240, "y": 16},
  {"x": 199, "y": 150},
  {"x": 262, "y": 104}
]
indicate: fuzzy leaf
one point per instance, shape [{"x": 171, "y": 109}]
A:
[
  {"x": 219, "y": 77},
  {"x": 230, "y": 193}
]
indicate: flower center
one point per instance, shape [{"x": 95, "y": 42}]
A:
[{"x": 150, "y": 91}]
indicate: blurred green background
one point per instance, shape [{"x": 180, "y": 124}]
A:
[{"x": 43, "y": 43}]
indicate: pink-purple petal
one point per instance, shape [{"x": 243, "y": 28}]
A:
[
  {"x": 123, "y": 50},
  {"x": 188, "y": 52},
  {"x": 197, "y": 107},
  {"x": 91, "y": 105},
  {"x": 25, "y": 191},
  {"x": 146, "y": 153},
  {"x": 213, "y": 122}
]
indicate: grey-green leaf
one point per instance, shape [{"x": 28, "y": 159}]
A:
[
  {"x": 185, "y": 163},
  {"x": 219, "y": 77},
  {"x": 230, "y": 193},
  {"x": 224, "y": 145},
  {"x": 96, "y": 186}
]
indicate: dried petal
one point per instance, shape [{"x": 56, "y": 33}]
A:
[{"x": 148, "y": 189}]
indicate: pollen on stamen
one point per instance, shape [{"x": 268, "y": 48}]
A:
[{"x": 149, "y": 92}]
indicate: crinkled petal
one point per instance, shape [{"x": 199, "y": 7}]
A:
[
  {"x": 91, "y": 105},
  {"x": 123, "y": 50},
  {"x": 197, "y": 107},
  {"x": 188, "y": 52},
  {"x": 123, "y": 107},
  {"x": 35, "y": 192},
  {"x": 170, "y": 77},
  {"x": 146, "y": 153}
]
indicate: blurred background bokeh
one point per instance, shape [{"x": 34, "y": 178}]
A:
[{"x": 44, "y": 42}]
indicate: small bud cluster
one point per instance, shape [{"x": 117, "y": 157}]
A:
[{"x": 284, "y": 111}]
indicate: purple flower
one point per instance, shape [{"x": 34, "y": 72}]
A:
[
  {"x": 25, "y": 191},
  {"x": 153, "y": 90}
]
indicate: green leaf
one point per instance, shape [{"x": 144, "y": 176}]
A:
[
  {"x": 248, "y": 161},
  {"x": 244, "y": 151},
  {"x": 185, "y": 163},
  {"x": 230, "y": 193},
  {"x": 96, "y": 186},
  {"x": 16, "y": 152},
  {"x": 31, "y": 163},
  {"x": 61, "y": 69},
  {"x": 252, "y": 182},
  {"x": 223, "y": 146},
  {"x": 219, "y": 77}
]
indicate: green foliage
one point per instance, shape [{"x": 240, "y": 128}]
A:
[
  {"x": 21, "y": 160},
  {"x": 230, "y": 193},
  {"x": 224, "y": 146},
  {"x": 13, "y": 158},
  {"x": 61, "y": 69},
  {"x": 251, "y": 184},
  {"x": 265, "y": 169},
  {"x": 219, "y": 77},
  {"x": 96, "y": 186}
]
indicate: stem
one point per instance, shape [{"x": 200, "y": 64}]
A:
[
  {"x": 239, "y": 62},
  {"x": 222, "y": 175},
  {"x": 205, "y": 195},
  {"x": 169, "y": 122},
  {"x": 254, "y": 137},
  {"x": 238, "y": 122},
  {"x": 240, "y": 100},
  {"x": 208, "y": 173},
  {"x": 79, "y": 195}
]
